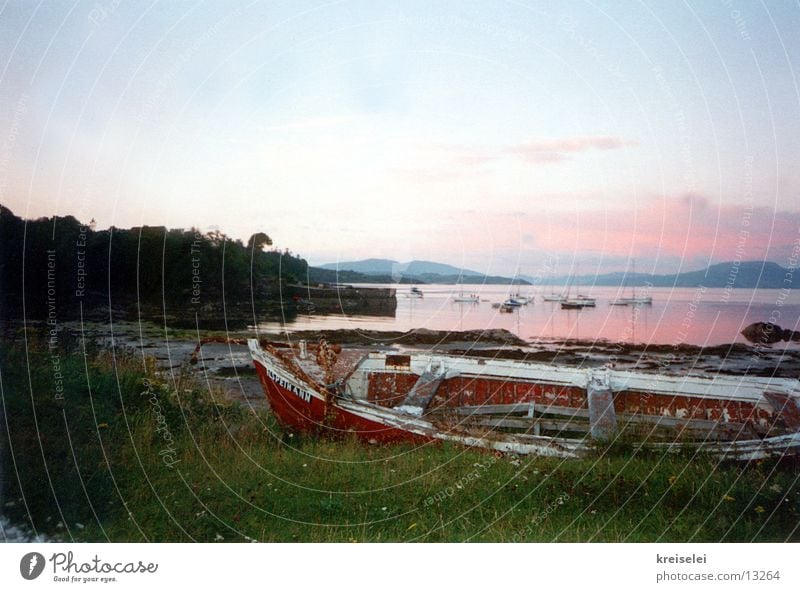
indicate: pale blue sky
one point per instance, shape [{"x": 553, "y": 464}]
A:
[{"x": 483, "y": 133}]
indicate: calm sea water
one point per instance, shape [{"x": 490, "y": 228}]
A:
[{"x": 697, "y": 316}]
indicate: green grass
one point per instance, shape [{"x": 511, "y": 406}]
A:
[{"x": 231, "y": 475}]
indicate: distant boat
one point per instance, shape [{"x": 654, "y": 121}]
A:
[
  {"x": 553, "y": 297},
  {"x": 633, "y": 298},
  {"x": 579, "y": 302},
  {"x": 467, "y": 298},
  {"x": 513, "y": 303},
  {"x": 415, "y": 293},
  {"x": 524, "y": 300}
]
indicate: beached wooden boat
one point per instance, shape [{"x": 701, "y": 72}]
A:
[{"x": 521, "y": 407}]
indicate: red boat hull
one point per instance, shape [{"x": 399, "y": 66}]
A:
[{"x": 311, "y": 414}]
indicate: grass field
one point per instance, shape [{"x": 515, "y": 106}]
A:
[{"x": 129, "y": 456}]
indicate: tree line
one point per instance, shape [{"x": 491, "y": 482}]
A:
[{"x": 56, "y": 268}]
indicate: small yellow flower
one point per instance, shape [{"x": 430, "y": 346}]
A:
[
  {"x": 728, "y": 498},
  {"x": 760, "y": 509},
  {"x": 102, "y": 425},
  {"x": 672, "y": 479},
  {"x": 412, "y": 526}
]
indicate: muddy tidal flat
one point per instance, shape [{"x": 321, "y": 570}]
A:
[{"x": 228, "y": 366}]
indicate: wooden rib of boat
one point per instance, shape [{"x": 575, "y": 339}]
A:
[{"x": 522, "y": 407}]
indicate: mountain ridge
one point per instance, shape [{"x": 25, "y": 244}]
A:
[{"x": 730, "y": 274}]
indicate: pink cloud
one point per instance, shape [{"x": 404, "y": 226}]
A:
[
  {"x": 542, "y": 150},
  {"x": 686, "y": 231},
  {"x": 685, "y": 227},
  {"x": 557, "y": 149}
]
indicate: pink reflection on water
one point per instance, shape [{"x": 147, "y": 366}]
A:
[{"x": 696, "y": 316}]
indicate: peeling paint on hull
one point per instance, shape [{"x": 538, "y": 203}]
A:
[{"x": 759, "y": 417}]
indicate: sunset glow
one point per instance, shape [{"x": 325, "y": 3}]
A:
[{"x": 491, "y": 137}]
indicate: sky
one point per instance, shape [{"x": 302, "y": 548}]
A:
[{"x": 501, "y": 136}]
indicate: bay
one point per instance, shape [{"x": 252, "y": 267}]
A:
[{"x": 694, "y": 316}]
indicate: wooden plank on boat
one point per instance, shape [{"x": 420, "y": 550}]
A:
[
  {"x": 602, "y": 417},
  {"x": 526, "y": 424},
  {"x": 678, "y": 422},
  {"x": 521, "y": 408},
  {"x": 420, "y": 395},
  {"x": 563, "y": 411},
  {"x": 492, "y": 409}
]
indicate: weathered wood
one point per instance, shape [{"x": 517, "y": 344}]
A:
[
  {"x": 492, "y": 409},
  {"x": 511, "y": 408},
  {"x": 527, "y": 424},
  {"x": 420, "y": 395},
  {"x": 677, "y": 422},
  {"x": 602, "y": 417}
]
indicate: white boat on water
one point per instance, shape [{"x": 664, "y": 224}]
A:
[
  {"x": 553, "y": 297},
  {"x": 633, "y": 299},
  {"x": 467, "y": 298},
  {"x": 513, "y": 303},
  {"x": 524, "y": 300},
  {"x": 579, "y": 301}
]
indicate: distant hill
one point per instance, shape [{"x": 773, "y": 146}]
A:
[
  {"x": 332, "y": 276},
  {"x": 391, "y": 267},
  {"x": 745, "y": 274},
  {"x": 423, "y": 272}
]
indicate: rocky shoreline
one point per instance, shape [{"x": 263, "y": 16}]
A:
[{"x": 229, "y": 367}]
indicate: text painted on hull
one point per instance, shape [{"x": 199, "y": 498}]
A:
[{"x": 304, "y": 395}]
